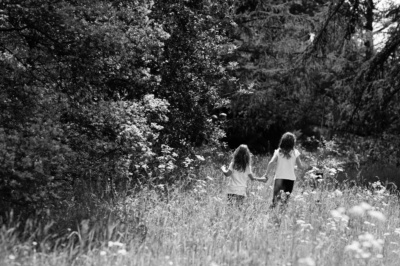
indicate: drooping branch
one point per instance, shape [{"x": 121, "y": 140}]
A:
[
  {"x": 381, "y": 57},
  {"x": 313, "y": 47},
  {"x": 369, "y": 70},
  {"x": 2, "y": 29}
]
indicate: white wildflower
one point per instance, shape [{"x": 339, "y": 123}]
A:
[
  {"x": 306, "y": 261},
  {"x": 122, "y": 251},
  {"x": 338, "y": 193},
  {"x": 377, "y": 215},
  {"x": 336, "y": 214},
  {"x": 116, "y": 244},
  {"x": 103, "y": 253},
  {"x": 354, "y": 246},
  {"x": 365, "y": 206},
  {"x": 357, "y": 210},
  {"x": 199, "y": 157},
  {"x": 366, "y": 237}
]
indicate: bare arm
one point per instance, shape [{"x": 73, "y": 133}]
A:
[
  {"x": 299, "y": 163},
  {"x": 254, "y": 178},
  {"x": 270, "y": 165}
]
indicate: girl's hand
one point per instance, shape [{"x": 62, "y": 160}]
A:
[{"x": 226, "y": 172}]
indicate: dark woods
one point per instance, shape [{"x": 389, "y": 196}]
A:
[{"x": 101, "y": 97}]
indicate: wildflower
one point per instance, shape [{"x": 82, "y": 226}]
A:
[
  {"x": 369, "y": 241},
  {"x": 306, "y": 261},
  {"x": 11, "y": 257},
  {"x": 357, "y": 211},
  {"x": 368, "y": 223},
  {"x": 200, "y": 158},
  {"x": 354, "y": 246},
  {"x": 34, "y": 243},
  {"x": 117, "y": 244},
  {"x": 397, "y": 231},
  {"x": 122, "y": 251},
  {"x": 338, "y": 212},
  {"x": 299, "y": 198},
  {"x": 365, "y": 206},
  {"x": 377, "y": 215},
  {"x": 366, "y": 237},
  {"x": 366, "y": 246},
  {"x": 103, "y": 253},
  {"x": 338, "y": 193},
  {"x": 306, "y": 226}
]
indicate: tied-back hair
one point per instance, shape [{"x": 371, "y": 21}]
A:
[
  {"x": 286, "y": 145},
  {"x": 241, "y": 158}
]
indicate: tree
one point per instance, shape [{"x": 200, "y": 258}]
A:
[
  {"x": 75, "y": 117},
  {"x": 191, "y": 68},
  {"x": 312, "y": 63}
]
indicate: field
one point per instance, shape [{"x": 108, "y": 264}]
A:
[{"x": 345, "y": 225}]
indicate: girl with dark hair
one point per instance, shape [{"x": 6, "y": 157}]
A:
[
  {"x": 285, "y": 157},
  {"x": 240, "y": 172}
]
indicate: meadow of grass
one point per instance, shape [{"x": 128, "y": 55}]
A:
[{"x": 345, "y": 225}]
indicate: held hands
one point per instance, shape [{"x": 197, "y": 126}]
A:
[
  {"x": 260, "y": 179},
  {"x": 226, "y": 172},
  {"x": 223, "y": 168}
]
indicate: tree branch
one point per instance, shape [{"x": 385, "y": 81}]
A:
[
  {"x": 311, "y": 48},
  {"x": 12, "y": 29}
]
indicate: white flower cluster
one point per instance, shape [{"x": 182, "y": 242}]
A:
[
  {"x": 366, "y": 247},
  {"x": 340, "y": 219},
  {"x": 119, "y": 251},
  {"x": 303, "y": 225},
  {"x": 365, "y": 208},
  {"x": 306, "y": 261}
]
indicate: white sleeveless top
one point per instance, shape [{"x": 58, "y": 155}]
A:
[
  {"x": 285, "y": 166},
  {"x": 237, "y": 183}
]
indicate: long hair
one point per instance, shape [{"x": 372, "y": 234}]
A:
[
  {"x": 286, "y": 145},
  {"x": 241, "y": 158}
]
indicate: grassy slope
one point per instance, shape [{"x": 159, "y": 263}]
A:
[{"x": 198, "y": 228}]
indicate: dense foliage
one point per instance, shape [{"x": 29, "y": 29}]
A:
[
  {"x": 86, "y": 89},
  {"x": 315, "y": 63}
]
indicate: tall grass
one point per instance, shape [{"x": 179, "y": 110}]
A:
[{"x": 353, "y": 226}]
